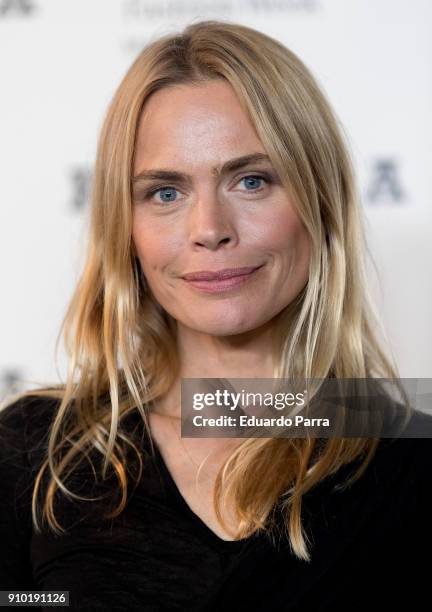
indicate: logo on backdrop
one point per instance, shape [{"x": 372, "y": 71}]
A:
[
  {"x": 80, "y": 178},
  {"x": 187, "y": 8},
  {"x": 10, "y": 381},
  {"x": 385, "y": 183},
  {"x": 16, "y": 7}
]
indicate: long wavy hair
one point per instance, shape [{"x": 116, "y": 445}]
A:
[{"x": 121, "y": 344}]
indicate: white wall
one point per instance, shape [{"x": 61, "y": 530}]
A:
[{"x": 60, "y": 62}]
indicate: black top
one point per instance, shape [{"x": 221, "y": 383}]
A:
[{"x": 371, "y": 543}]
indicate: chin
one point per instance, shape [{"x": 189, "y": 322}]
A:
[{"x": 225, "y": 327}]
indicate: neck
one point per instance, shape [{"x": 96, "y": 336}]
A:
[{"x": 246, "y": 355}]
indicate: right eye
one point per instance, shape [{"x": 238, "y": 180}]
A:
[{"x": 167, "y": 192}]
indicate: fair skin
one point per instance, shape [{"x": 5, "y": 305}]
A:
[{"x": 209, "y": 222}]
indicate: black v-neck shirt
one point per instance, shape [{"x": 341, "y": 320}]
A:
[{"x": 370, "y": 544}]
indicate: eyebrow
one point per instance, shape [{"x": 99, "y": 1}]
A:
[{"x": 229, "y": 166}]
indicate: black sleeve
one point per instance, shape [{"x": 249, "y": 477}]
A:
[{"x": 15, "y": 501}]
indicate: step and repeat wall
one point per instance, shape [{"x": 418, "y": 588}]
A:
[{"x": 60, "y": 62}]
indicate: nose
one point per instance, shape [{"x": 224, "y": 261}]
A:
[{"x": 211, "y": 222}]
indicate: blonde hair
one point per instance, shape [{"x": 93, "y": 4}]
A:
[{"x": 122, "y": 344}]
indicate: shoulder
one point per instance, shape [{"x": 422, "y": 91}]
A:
[
  {"x": 400, "y": 470},
  {"x": 412, "y": 449},
  {"x": 26, "y": 405},
  {"x": 17, "y": 464},
  {"x": 25, "y": 410},
  {"x": 24, "y": 426}
]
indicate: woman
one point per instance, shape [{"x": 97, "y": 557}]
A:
[{"x": 225, "y": 241}]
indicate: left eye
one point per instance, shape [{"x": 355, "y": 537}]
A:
[{"x": 251, "y": 181}]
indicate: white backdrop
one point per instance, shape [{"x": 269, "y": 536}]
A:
[{"x": 60, "y": 62}]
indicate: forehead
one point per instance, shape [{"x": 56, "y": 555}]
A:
[{"x": 190, "y": 123}]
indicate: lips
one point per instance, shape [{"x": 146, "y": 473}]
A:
[{"x": 207, "y": 275}]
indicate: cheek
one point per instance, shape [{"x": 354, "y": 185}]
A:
[
  {"x": 156, "y": 249},
  {"x": 292, "y": 243},
  {"x": 286, "y": 233},
  {"x": 300, "y": 250},
  {"x": 145, "y": 244}
]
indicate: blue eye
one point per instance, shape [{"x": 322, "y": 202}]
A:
[
  {"x": 169, "y": 192},
  {"x": 250, "y": 180}
]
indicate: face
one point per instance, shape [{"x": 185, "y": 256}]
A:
[{"x": 197, "y": 210}]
